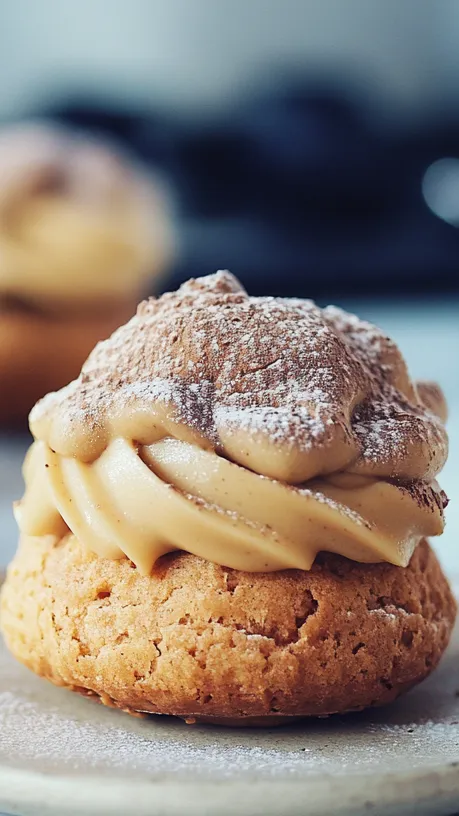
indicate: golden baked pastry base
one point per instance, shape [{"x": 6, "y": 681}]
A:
[
  {"x": 195, "y": 640},
  {"x": 63, "y": 755}
]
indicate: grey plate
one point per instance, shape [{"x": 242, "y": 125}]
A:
[{"x": 62, "y": 755}]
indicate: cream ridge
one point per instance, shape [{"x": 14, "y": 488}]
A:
[
  {"x": 171, "y": 495},
  {"x": 252, "y": 432}
]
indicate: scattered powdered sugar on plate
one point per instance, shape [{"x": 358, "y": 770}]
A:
[{"x": 55, "y": 731}]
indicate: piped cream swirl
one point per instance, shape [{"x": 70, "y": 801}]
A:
[
  {"x": 143, "y": 502},
  {"x": 252, "y": 432}
]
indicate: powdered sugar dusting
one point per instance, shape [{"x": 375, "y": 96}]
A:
[{"x": 282, "y": 425}]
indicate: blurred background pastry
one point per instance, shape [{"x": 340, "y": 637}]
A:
[{"x": 82, "y": 234}]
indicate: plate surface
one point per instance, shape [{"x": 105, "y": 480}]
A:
[{"x": 62, "y": 755}]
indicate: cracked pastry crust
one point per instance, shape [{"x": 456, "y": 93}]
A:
[{"x": 197, "y": 640}]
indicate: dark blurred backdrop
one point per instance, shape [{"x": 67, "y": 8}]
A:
[{"x": 311, "y": 146}]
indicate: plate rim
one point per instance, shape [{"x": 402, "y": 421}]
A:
[{"x": 23, "y": 791}]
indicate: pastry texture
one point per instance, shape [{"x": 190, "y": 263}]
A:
[{"x": 197, "y": 640}]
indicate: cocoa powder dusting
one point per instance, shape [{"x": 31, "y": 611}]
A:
[{"x": 281, "y": 369}]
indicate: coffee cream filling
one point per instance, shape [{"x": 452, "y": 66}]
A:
[{"x": 142, "y": 501}]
